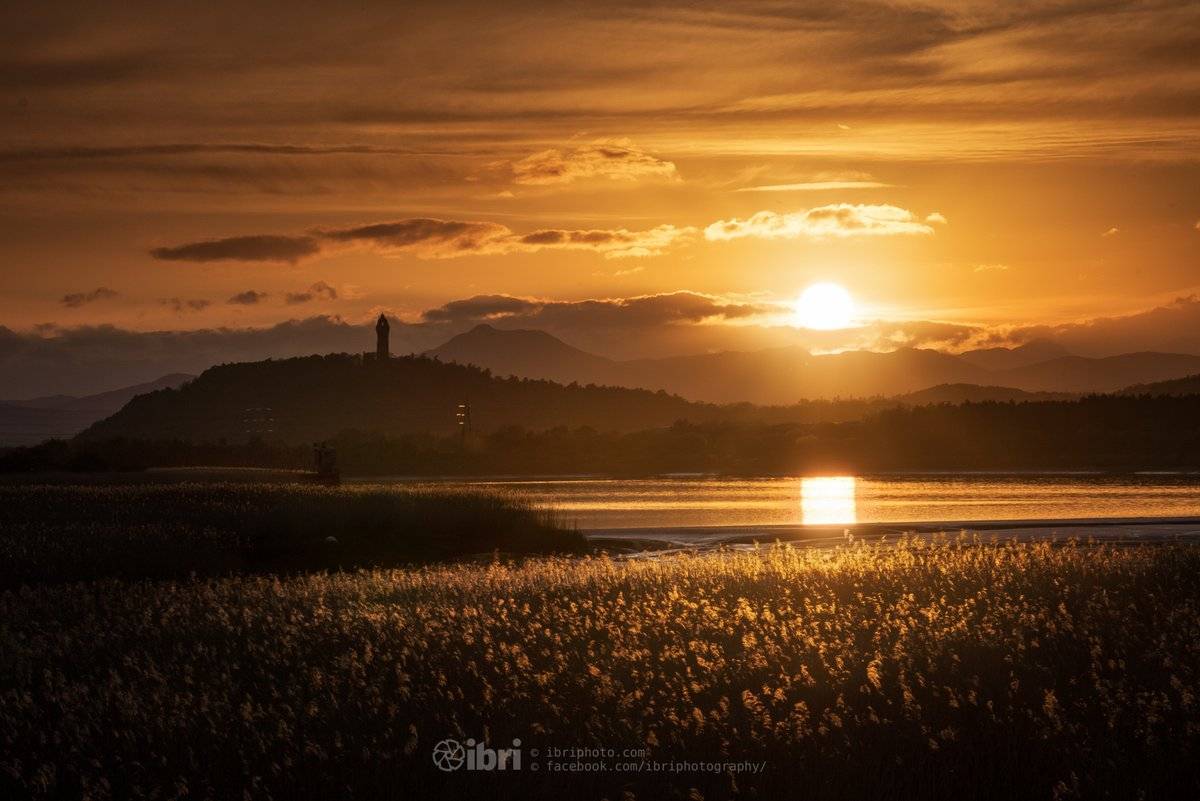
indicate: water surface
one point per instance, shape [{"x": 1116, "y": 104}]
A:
[{"x": 592, "y": 503}]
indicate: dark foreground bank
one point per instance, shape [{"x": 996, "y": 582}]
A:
[{"x": 71, "y": 533}]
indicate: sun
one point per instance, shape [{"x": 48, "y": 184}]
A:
[{"x": 824, "y": 306}]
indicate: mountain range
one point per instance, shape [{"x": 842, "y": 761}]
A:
[
  {"x": 781, "y": 376},
  {"x": 1188, "y": 385},
  {"x": 507, "y": 376},
  {"x": 973, "y": 393},
  {"x": 25, "y": 422}
]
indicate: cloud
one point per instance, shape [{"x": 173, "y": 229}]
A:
[
  {"x": 1171, "y": 328},
  {"x": 76, "y": 299},
  {"x": 480, "y": 307},
  {"x": 612, "y": 159},
  {"x": 920, "y": 334},
  {"x": 632, "y": 312},
  {"x": 935, "y": 218},
  {"x": 816, "y": 186},
  {"x": 248, "y": 298},
  {"x": 263, "y": 247},
  {"x": 426, "y": 237},
  {"x": 613, "y": 243},
  {"x": 430, "y": 238},
  {"x": 179, "y": 305},
  {"x": 85, "y": 152},
  {"x": 984, "y": 81},
  {"x": 839, "y": 220},
  {"x": 991, "y": 268},
  {"x": 1111, "y": 232},
  {"x": 318, "y": 291}
]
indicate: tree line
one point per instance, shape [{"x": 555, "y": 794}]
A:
[{"x": 1097, "y": 432}]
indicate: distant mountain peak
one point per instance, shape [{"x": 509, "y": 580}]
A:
[
  {"x": 486, "y": 333},
  {"x": 527, "y": 352},
  {"x": 26, "y": 422},
  {"x": 1031, "y": 352}
]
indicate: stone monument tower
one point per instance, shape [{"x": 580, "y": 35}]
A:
[{"x": 381, "y": 338}]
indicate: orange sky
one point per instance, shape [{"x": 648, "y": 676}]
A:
[{"x": 991, "y": 164}]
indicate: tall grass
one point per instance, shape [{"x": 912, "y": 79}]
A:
[
  {"x": 948, "y": 670},
  {"x": 65, "y": 533}
]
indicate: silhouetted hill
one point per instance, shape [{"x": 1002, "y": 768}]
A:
[
  {"x": 1039, "y": 350},
  {"x": 23, "y": 422},
  {"x": 1188, "y": 385},
  {"x": 306, "y": 399},
  {"x": 110, "y": 401},
  {"x": 1080, "y": 374},
  {"x": 783, "y": 376},
  {"x": 962, "y": 393}
]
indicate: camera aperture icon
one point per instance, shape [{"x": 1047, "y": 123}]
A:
[{"x": 449, "y": 755}]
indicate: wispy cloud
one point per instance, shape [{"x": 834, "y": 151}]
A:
[
  {"x": 74, "y": 300},
  {"x": 318, "y": 291},
  {"x": 612, "y": 159},
  {"x": 633, "y": 312},
  {"x": 815, "y": 186},
  {"x": 429, "y": 238},
  {"x": 840, "y": 220},
  {"x": 181, "y": 305},
  {"x": 248, "y": 298},
  {"x": 286, "y": 249}
]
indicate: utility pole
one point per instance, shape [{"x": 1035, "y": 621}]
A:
[{"x": 464, "y": 422}]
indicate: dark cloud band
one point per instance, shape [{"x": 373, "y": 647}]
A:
[
  {"x": 430, "y": 239},
  {"x": 286, "y": 249}
]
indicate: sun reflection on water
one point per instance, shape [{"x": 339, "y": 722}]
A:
[{"x": 827, "y": 500}]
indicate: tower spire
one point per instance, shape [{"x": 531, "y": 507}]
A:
[{"x": 381, "y": 338}]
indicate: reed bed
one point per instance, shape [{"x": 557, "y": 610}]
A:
[{"x": 948, "y": 669}]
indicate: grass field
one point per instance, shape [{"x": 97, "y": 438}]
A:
[{"x": 945, "y": 670}]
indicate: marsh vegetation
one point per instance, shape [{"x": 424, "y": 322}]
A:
[{"x": 919, "y": 670}]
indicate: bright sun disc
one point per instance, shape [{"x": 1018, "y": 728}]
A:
[{"x": 824, "y": 306}]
